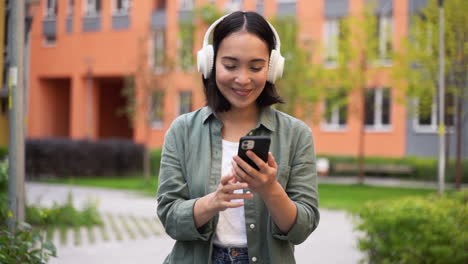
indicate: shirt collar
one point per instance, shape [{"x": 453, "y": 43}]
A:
[{"x": 267, "y": 117}]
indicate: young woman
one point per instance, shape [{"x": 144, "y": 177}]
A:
[{"x": 217, "y": 207}]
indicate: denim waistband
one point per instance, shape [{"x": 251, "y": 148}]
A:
[{"x": 230, "y": 254}]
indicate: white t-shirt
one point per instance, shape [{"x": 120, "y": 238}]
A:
[{"x": 230, "y": 231}]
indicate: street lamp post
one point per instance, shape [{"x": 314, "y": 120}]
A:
[{"x": 441, "y": 168}]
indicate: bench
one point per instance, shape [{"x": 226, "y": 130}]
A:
[{"x": 374, "y": 168}]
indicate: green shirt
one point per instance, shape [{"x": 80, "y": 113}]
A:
[{"x": 191, "y": 168}]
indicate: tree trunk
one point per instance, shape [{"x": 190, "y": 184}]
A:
[{"x": 146, "y": 154}]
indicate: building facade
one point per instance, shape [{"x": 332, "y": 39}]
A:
[{"x": 92, "y": 59}]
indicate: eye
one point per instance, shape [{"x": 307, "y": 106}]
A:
[
  {"x": 256, "y": 69},
  {"x": 230, "y": 67}
]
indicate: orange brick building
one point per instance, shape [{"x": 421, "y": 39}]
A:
[{"x": 83, "y": 51}]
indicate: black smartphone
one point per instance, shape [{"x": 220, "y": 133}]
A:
[{"x": 260, "y": 145}]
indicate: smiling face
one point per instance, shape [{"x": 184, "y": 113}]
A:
[{"x": 241, "y": 69}]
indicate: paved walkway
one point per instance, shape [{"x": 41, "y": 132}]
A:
[{"x": 132, "y": 233}]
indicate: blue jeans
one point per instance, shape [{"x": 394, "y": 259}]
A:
[{"x": 230, "y": 255}]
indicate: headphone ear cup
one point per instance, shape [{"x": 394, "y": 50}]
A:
[
  {"x": 275, "y": 67},
  {"x": 205, "y": 60}
]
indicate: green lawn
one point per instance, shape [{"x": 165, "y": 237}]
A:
[
  {"x": 136, "y": 183},
  {"x": 331, "y": 196},
  {"x": 349, "y": 197}
]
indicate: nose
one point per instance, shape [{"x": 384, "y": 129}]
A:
[{"x": 243, "y": 77}]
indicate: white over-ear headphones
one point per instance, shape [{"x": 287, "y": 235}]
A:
[{"x": 205, "y": 56}]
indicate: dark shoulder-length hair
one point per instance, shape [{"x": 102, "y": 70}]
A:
[{"x": 254, "y": 24}]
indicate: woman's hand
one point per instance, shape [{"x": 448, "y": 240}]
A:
[
  {"x": 260, "y": 181},
  {"x": 221, "y": 198},
  {"x": 209, "y": 205}
]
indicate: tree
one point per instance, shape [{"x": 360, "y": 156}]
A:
[
  {"x": 417, "y": 63},
  {"x": 296, "y": 85},
  {"x": 346, "y": 71}
]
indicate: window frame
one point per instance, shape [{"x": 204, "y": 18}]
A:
[
  {"x": 156, "y": 122},
  {"x": 334, "y": 124},
  {"x": 126, "y": 7},
  {"x": 70, "y": 7},
  {"x": 50, "y": 12},
  {"x": 186, "y": 5},
  {"x": 433, "y": 127},
  {"x": 91, "y": 9},
  {"x": 331, "y": 36},
  {"x": 157, "y": 33},
  {"x": 378, "y": 111},
  {"x": 385, "y": 29},
  {"x": 180, "y": 100}
]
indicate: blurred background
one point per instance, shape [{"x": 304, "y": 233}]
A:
[{"x": 89, "y": 88}]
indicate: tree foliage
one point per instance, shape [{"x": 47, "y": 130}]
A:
[
  {"x": 417, "y": 65},
  {"x": 296, "y": 86}
]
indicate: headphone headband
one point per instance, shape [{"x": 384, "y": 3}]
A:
[
  {"x": 212, "y": 26},
  {"x": 205, "y": 56}
]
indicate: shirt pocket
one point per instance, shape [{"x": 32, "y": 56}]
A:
[{"x": 283, "y": 174}]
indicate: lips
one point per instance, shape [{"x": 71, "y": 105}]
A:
[{"x": 242, "y": 92}]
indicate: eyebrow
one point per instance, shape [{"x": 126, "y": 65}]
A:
[{"x": 235, "y": 59}]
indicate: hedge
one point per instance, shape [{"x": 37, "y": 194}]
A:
[
  {"x": 422, "y": 168},
  {"x": 61, "y": 157},
  {"x": 415, "y": 230}
]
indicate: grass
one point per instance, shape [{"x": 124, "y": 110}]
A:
[
  {"x": 351, "y": 197},
  {"x": 331, "y": 196},
  {"x": 136, "y": 183}
]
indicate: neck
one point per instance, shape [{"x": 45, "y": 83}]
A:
[
  {"x": 241, "y": 115},
  {"x": 238, "y": 122}
]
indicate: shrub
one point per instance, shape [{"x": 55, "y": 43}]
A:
[
  {"x": 155, "y": 161},
  {"x": 24, "y": 245},
  {"x": 415, "y": 230},
  {"x": 422, "y": 168},
  {"x": 3, "y": 176},
  {"x": 64, "y": 215},
  {"x": 61, "y": 157}
]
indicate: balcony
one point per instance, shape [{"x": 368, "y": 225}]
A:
[
  {"x": 287, "y": 9},
  {"x": 120, "y": 21},
  {"x": 185, "y": 15},
  {"x": 260, "y": 8},
  {"x": 49, "y": 27},
  {"x": 158, "y": 19},
  {"x": 91, "y": 23},
  {"x": 69, "y": 25}
]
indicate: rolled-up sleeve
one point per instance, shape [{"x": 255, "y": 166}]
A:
[
  {"x": 302, "y": 190},
  {"x": 175, "y": 207}
]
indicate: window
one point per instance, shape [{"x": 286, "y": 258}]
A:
[
  {"x": 336, "y": 111},
  {"x": 51, "y": 9},
  {"x": 186, "y": 59},
  {"x": 122, "y": 6},
  {"x": 71, "y": 7},
  {"x": 157, "y": 109},
  {"x": 186, "y": 4},
  {"x": 384, "y": 34},
  {"x": 377, "y": 112},
  {"x": 233, "y": 5},
  {"x": 160, "y": 4},
  {"x": 185, "y": 102},
  {"x": 159, "y": 52},
  {"x": 92, "y": 7},
  {"x": 331, "y": 40},
  {"x": 426, "y": 119}
]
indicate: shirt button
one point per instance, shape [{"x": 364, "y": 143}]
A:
[
  {"x": 254, "y": 259},
  {"x": 252, "y": 226}
]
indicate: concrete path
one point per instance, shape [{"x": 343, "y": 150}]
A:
[{"x": 133, "y": 234}]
